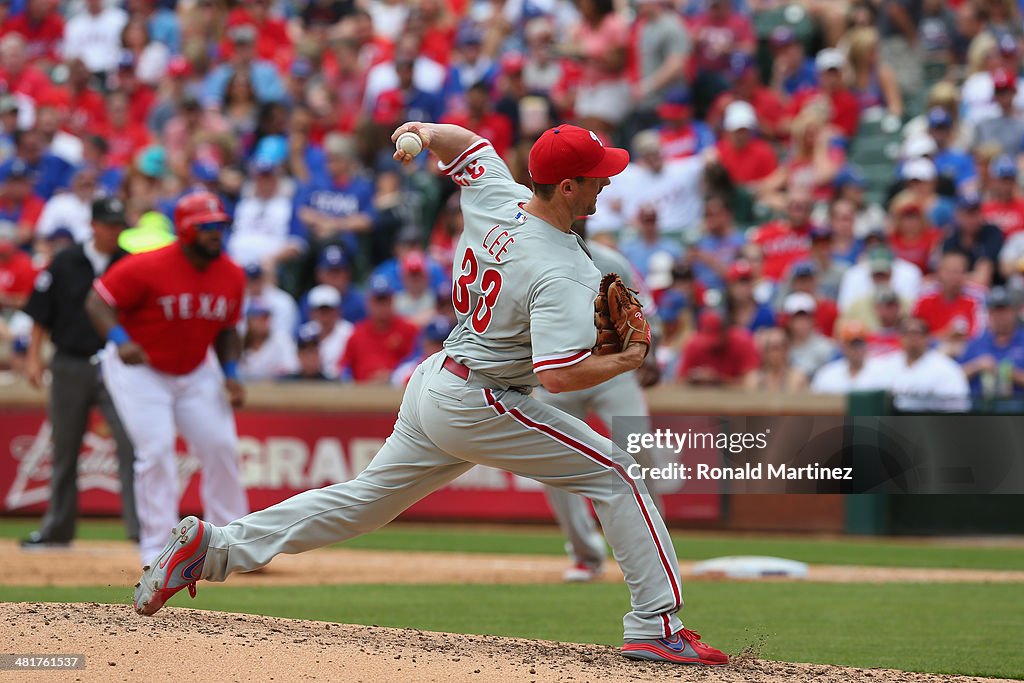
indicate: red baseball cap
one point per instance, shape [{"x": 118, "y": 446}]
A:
[
  {"x": 413, "y": 262},
  {"x": 569, "y": 151},
  {"x": 740, "y": 270},
  {"x": 1003, "y": 80}
]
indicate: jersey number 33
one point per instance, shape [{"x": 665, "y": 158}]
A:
[{"x": 474, "y": 285}]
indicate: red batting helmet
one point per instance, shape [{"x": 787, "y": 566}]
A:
[{"x": 197, "y": 208}]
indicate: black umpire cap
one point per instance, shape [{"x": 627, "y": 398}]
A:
[{"x": 109, "y": 211}]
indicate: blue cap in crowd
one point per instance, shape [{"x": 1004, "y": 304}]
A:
[
  {"x": 939, "y": 118},
  {"x": 309, "y": 334},
  {"x": 63, "y": 232},
  {"x": 782, "y": 35},
  {"x": 1003, "y": 166},
  {"x": 740, "y": 63},
  {"x": 820, "y": 233},
  {"x": 257, "y": 307},
  {"x": 437, "y": 330},
  {"x": 804, "y": 269},
  {"x": 380, "y": 286},
  {"x": 253, "y": 271},
  {"x": 969, "y": 201},
  {"x": 673, "y": 302},
  {"x": 850, "y": 175},
  {"x": 205, "y": 171},
  {"x": 18, "y": 169},
  {"x": 469, "y": 35},
  {"x": 263, "y": 166},
  {"x": 302, "y": 68},
  {"x": 273, "y": 147},
  {"x": 333, "y": 258}
]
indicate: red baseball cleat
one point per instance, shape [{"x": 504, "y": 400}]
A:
[
  {"x": 178, "y": 566},
  {"x": 684, "y": 647}
]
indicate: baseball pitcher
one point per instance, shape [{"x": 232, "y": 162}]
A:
[{"x": 524, "y": 290}]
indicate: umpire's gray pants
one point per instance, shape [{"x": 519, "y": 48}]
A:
[
  {"x": 445, "y": 426},
  {"x": 77, "y": 387},
  {"x": 617, "y": 397}
]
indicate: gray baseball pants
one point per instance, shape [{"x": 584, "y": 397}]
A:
[
  {"x": 608, "y": 400},
  {"x": 76, "y": 388},
  {"x": 445, "y": 426}
]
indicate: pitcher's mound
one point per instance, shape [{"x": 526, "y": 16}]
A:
[{"x": 186, "y": 644}]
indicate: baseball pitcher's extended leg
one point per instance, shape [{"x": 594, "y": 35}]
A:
[
  {"x": 513, "y": 432},
  {"x": 406, "y": 469},
  {"x": 143, "y": 398},
  {"x": 204, "y": 419}
]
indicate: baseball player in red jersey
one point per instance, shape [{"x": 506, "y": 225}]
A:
[{"x": 161, "y": 311}]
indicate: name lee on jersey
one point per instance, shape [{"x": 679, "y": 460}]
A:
[
  {"x": 186, "y": 306},
  {"x": 497, "y": 243}
]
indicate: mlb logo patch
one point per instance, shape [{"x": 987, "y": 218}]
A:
[{"x": 519, "y": 218}]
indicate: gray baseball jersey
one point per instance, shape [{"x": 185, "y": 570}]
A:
[
  {"x": 524, "y": 292},
  {"x": 523, "y": 289}
]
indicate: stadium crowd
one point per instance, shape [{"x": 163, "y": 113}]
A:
[{"x": 823, "y": 194}]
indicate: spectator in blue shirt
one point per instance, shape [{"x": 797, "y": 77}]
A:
[
  {"x": 266, "y": 82},
  {"x": 792, "y": 70},
  {"x": 49, "y": 173},
  {"x": 335, "y": 269},
  {"x": 951, "y": 163},
  {"x": 719, "y": 246},
  {"x": 649, "y": 242},
  {"x": 336, "y": 208},
  {"x": 996, "y": 357}
]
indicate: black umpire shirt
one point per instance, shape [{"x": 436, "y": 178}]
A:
[{"x": 58, "y": 301}]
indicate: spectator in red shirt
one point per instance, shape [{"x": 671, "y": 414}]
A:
[
  {"x": 381, "y": 342},
  {"x": 913, "y": 238},
  {"x": 17, "y": 74},
  {"x": 125, "y": 135},
  {"x": 17, "y": 275},
  {"x": 680, "y": 135},
  {"x": 717, "y": 33},
  {"x": 718, "y": 355},
  {"x": 87, "y": 112},
  {"x": 272, "y": 40},
  {"x": 481, "y": 118},
  {"x": 745, "y": 157},
  {"x": 141, "y": 96},
  {"x": 42, "y": 27},
  {"x": 950, "y": 309},
  {"x": 746, "y": 86},
  {"x": 786, "y": 241},
  {"x": 842, "y": 102},
  {"x": 1004, "y": 206}
]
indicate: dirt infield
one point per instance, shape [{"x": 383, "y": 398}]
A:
[
  {"x": 197, "y": 645},
  {"x": 113, "y": 564}
]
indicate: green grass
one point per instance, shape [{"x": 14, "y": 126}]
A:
[
  {"x": 971, "y": 629},
  {"x": 690, "y": 546}
]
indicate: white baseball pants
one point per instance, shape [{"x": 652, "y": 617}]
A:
[{"x": 154, "y": 407}]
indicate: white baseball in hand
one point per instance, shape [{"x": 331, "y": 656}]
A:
[{"x": 410, "y": 143}]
